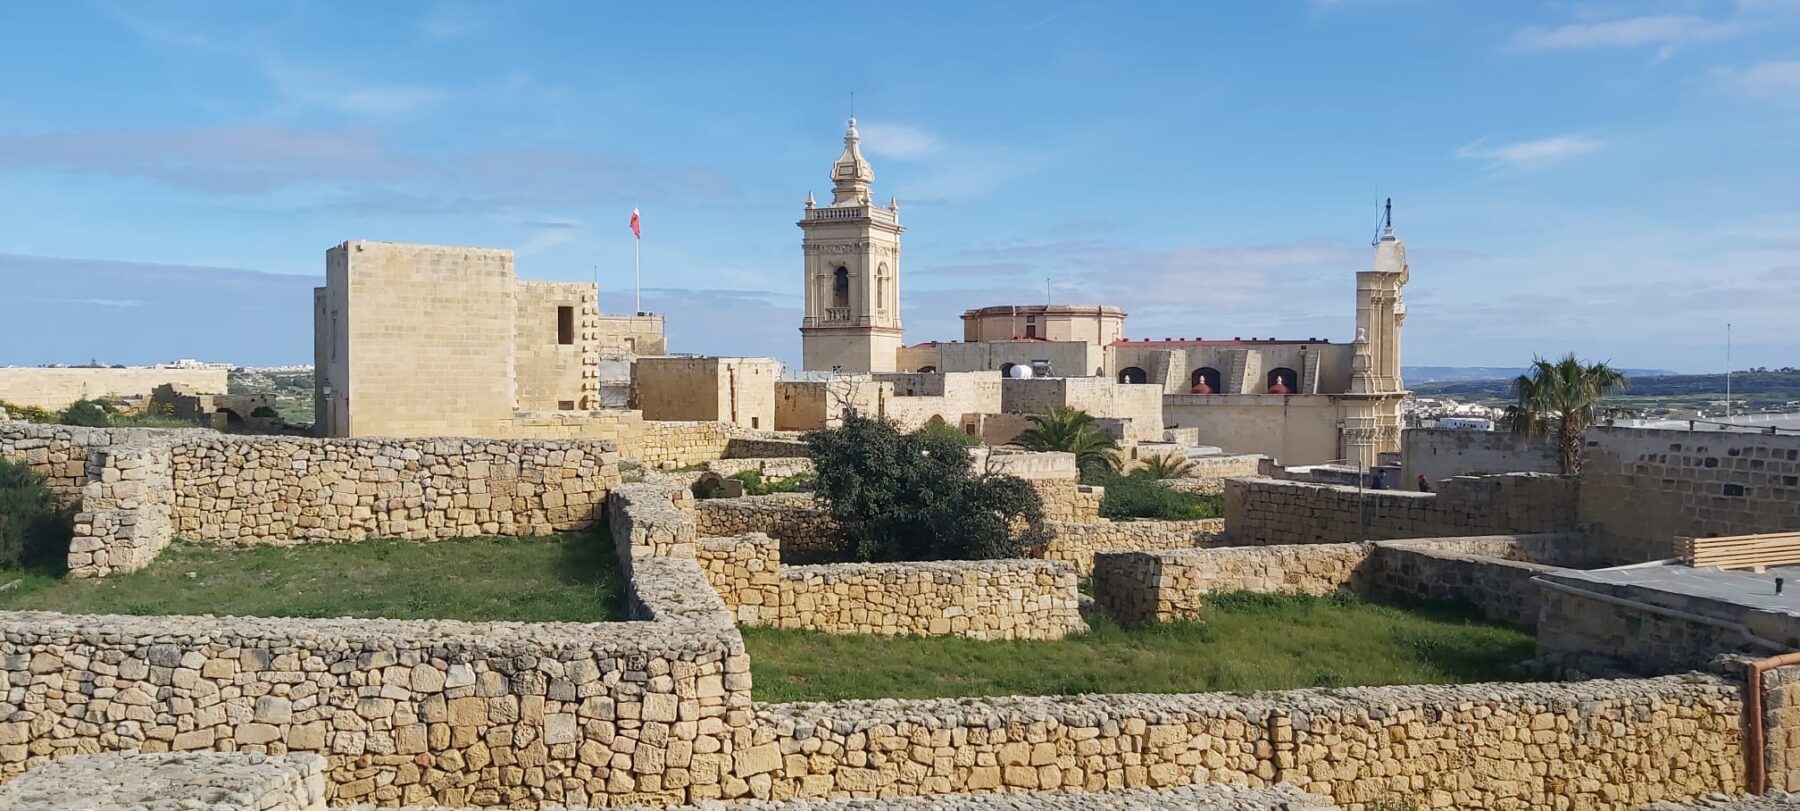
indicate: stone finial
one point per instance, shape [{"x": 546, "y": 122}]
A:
[{"x": 809, "y": 200}]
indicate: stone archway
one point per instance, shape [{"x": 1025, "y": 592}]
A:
[{"x": 1133, "y": 374}]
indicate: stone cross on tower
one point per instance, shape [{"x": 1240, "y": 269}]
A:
[{"x": 851, "y": 271}]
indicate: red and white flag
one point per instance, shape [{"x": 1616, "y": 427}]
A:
[{"x": 636, "y": 231}]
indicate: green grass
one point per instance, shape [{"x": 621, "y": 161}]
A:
[
  {"x": 1249, "y": 642},
  {"x": 563, "y": 578}
]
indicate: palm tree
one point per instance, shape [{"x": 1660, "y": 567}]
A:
[
  {"x": 1562, "y": 397},
  {"x": 1166, "y": 466},
  {"x": 1071, "y": 430}
]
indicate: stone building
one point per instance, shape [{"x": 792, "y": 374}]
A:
[
  {"x": 1301, "y": 400},
  {"x": 852, "y": 281},
  {"x": 740, "y": 391},
  {"x": 433, "y": 340}
]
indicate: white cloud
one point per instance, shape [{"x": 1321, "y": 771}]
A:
[
  {"x": 898, "y": 141},
  {"x": 1526, "y": 155},
  {"x": 319, "y": 89},
  {"x": 1626, "y": 32},
  {"x": 1776, "y": 78}
]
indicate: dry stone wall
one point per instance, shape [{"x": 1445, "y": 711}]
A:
[
  {"x": 1491, "y": 573},
  {"x": 214, "y": 781},
  {"x": 433, "y": 712},
  {"x": 253, "y": 490},
  {"x": 1076, "y": 543},
  {"x": 795, "y": 519},
  {"x": 1594, "y": 744},
  {"x": 127, "y": 511},
  {"x": 1136, "y": 587},
  {"x": 1264, "y": 511}
]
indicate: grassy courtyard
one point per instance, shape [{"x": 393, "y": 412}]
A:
[
  {"x": 1249, "y": 642},
  {"x": 563, "y": 578}
]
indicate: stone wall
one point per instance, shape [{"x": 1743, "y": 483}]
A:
[
  {"x": 766, "y": 446},
  {"x": 127, "y": 511},
  {"x": 1593, "y": 744},
  {"x": 1439, "y": 453},
  {"x": 1076, "y": 542},
  {"x": 54, "y": 389},
  {"x": 251, "y": 490},
  {"x": 412, "y": 712},
  {"x": 1588, "y": 623},
  {"x": 1781, "y": 728},
  {"x": 1267, "y": 511},
  {"x": 216, "y": 781},
  {"x": 1207, "y": 474},
  {"x": 1491, "y": 573},
  {"x": 973, "y": 599},
  {"x": 794, "y": 519},
  {"x": 60, "y": 453},
  {"x": 1641, "y": 488},
  {"x": 1137, "y": 587},
  {"x": 1069, "y": 500},
  {"x": 770, "y": 468}
]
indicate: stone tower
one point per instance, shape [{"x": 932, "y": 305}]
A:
[
  {"x": 1372, "y": 406},
  {"x": 852, "y": 275}
]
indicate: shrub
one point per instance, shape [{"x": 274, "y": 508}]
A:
[
  {"x": 1166, "y": 466},
  {"x": 1139, "y": 496},
  {"x": 264, "y": 412},
  {"x": 915, "y": 496},
  {"x": 88, "y": 413},
  {"x": 756, "y": 485},
  {"x": 937, "y": 428},
  {"x": 27, "y": 413},
  {"x": 32, "y": 525}
]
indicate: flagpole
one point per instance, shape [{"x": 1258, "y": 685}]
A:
[{"x": 637, "y": 272}]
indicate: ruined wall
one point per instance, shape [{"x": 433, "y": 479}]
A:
[
  {"x": 985, "y": 599},
  {"x": 127, "y": 510},
  {"x": 1439, "y": 453},
  {"x": 1641, "y": 488},
  {"x": 1491, "y": 573},
  {"x": 420, "y": 712},
  {"x": 1593, "y": 744},
  {"x": 55, "y": 389},
  {"x": 1164, "y": 586},
  {"x": 218, "y": 781},
  {"x": 1076, "y": 542},
  {"x": 794, "y": 519},
  {"x": 284, "y": 490},
  {"x": 1267, "y": 511}
]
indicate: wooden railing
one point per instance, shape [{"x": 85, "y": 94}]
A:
[{"x": 1741, "y": 551}]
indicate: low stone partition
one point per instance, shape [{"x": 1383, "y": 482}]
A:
[
  {"x": 647, "y": 521},
  {"x": 61, "y": 453},
  {"x": 1076, "y": 542},
  {"x": 253, "y": 490},
  {"x": 973, "y": 599},
  {"x": 1263, "y": 511},
  {"x": 795, "y": 519},
  {"x": 775, "y": 467},
  {"x": 1163, "y": 586},
  {"x": 1069, "y": 500},
  {"x": 1207, "y": 474},
  {"x": 765, "y": 445},
  {"x": 411, "y": 712},
  {"x": 1593, "y": 744},
  {"x": 214, "y": 781},
  {"x": 1492, "y": 573},
  {"x": 127, "y": 511},
  {"x": 1623, "y": 620}
]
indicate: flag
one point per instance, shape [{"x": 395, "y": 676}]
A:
[{"x": 636, "y": 231}]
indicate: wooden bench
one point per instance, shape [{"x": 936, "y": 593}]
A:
[{"x": 1754, "y": 552}]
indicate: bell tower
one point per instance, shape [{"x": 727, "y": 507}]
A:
[
  {"x": 1371, "y": 409},
  {"x": 852, "y": 272}
]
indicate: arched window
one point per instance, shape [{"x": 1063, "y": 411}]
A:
[
  {"x": 1205, "y": 380},
  {"x": 925, "y": 370},
  {"x": 840, "y": 287},
  {"x": 881, "y": 284},
  {"x": 1283, "y": 380},
  {"x": 1006, "y": 370},
  {"x": 1132, "y": 374}
]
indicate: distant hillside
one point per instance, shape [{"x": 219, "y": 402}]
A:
[
  {"x": 1762, "y": 386},
  {"x": 1443, "y": 374}
]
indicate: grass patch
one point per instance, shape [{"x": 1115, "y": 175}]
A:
[
  {"x": 561, "y": 578},
  {"x": 1249, "y": 642}
]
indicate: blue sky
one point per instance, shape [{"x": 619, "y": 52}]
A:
[{"x": 1615, "y": 179}]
